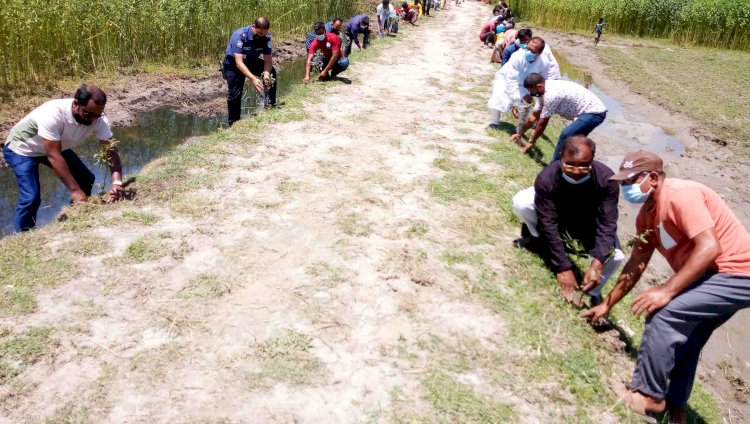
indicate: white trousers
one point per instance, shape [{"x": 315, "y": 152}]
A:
[{"x": 523, "y": 207}]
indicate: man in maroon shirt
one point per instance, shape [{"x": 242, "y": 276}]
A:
[{"x": 331, "y": 61}]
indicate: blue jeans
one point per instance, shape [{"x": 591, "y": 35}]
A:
[
  {"x": 26, "y": 169},
  {"x": 583, "y": 125},
  {"x": 338, "y": 68}
]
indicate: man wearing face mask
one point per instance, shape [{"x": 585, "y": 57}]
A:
[
  {"x": 574, "y": 197},
  {"x": 332, "y": 61},
  {"x": 508, "y": 90},
  {"x": 567, "y": 99},
  {"x": 47, "y": 136},
  {"x": 334, "y": 26},
  {"x": 248, "y": 55},
  {"x": 386, "y": 17},
  {"x": 359, "y": 24},
  {"x": 709, "y": 250}
]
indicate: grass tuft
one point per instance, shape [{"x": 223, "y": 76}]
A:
[{"x": 286, "y": 358}]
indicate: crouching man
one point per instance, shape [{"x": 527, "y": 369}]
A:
[
  {"x": 330, "y": 61},
  {"x": 47, "y": 136},
  {"x": 573, "y": 197},
  {"x": 709, "y": 251}
]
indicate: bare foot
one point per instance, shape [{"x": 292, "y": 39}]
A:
[
  {"x": 677, "y": 415},
  {"x": 642, "y": 404}
]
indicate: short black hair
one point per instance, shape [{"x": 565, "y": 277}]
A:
[
  {"x": 88, "y": 92},
  {"x": 574, "y": 142},
  {"x": 404, "y": 5},
  {"x": 365, "y": 20},
  {"x": 525, "y": 32},
  {"x": 533, "y": 79},
  {"x": 261, "y": 22},
  {"x": 337, "y": 19},
  {"x": 319, "y": 25},
  {"x": 539, "y": 40}
]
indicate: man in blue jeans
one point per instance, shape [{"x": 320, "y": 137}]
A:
[
  {"x": 330, "y": 60},
  {"x": 47, "y": 136},
  {"x": 564, "y": 98}
]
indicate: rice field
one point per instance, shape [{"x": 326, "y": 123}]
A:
[
  {"x": 715, "y": 23},
  {"x": 41, "y": 41}
]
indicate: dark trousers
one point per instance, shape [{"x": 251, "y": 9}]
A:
[
  {"x": 426, "y": 7},
  {"x": 675, "y": 335},
  {"x": 582, "y": 125},
  {"x": 236, "y": 82},
  {"x": 26, "y": 169},
  {"x": 349, "y": 39}
]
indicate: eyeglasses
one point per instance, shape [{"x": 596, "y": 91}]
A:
[
  {"x": 90, "y": 115},
  {"x": 579, "y": 169},
  {"x": 633, "y": 180}
]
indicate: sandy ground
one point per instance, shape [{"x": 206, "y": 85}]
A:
[{"x": 310, "y": 241}]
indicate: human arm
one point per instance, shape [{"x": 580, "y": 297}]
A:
[
  {"x": 239, "y": 61},
  {"x": 686, "y": 212},
  {"x": 606, "y": 233},
  {"x": 631, "y": 273},
  {"x": 115, "y": 167},
  {"x": 308, "y": 66},
  {"x": 58, "y": 164},
  {"x": 267, "y": 62}
]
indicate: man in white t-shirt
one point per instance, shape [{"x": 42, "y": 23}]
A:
[
  {"x": 47, "y": 135},
  {"x": 385, "y": 13},
  {"x": 564, "y": 98}
]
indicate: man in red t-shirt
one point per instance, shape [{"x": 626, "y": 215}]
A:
[
  {"x": 709, "y": 251},
  {"x": 330, "y": 61}
]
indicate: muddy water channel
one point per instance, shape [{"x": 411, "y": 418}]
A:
[
  {"x": 154, "y": 134},
  {"x": 631, "y": 133}
]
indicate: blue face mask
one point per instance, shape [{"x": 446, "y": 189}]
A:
[
  {"x": 567, "y": 178},
  {"x": 519, "y": 44},
  {"x": 530, "y": 57},
  {"x": 632, "y": 193},
  {"x": 321, "y": 37}
]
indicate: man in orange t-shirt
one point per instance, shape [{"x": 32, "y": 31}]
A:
[{"x": 709, "y": 250}]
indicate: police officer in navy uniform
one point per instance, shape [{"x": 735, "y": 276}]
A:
[{"x": 248, "y": 55}]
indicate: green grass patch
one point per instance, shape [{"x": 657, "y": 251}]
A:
[
  {"x": 454, "y": 402},
  {"x": 678, "y": 78},
  {"x": 354, "y": 224},
  {"x": 139, "y": 217},
  {"x": 417, "y": 230},
  {"x": 25, "y": 261},
  {"x": 286, "y": 358},
  {"x": 326, "y": 274},
  {"x": 204, "y": 286},
  {"x": 16, "y": 301},
  {"x": 89, "y": 246},
  {"x": 18, "y": 351},
  {"x": 144, "y": 249}
]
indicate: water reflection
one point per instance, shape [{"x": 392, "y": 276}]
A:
[
  {"x": 154, "y": 134},
  {"x": 630, "y": 132}
]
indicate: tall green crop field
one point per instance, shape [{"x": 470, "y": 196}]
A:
[
  {"x": 43, "y": 40},
  {"x": 717, "y": 23}
]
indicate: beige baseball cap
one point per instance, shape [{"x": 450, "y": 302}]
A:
[{"x": 635, "y": 163}]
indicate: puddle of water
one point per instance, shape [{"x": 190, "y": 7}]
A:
[
  {"x": 153, "y": 135},
  {"x": 630, "y": 132}
]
